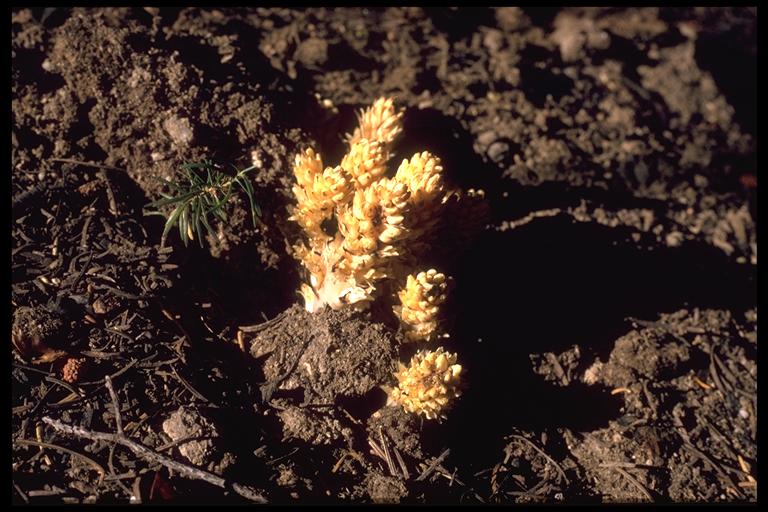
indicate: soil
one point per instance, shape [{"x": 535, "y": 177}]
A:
[{"x": 606, "y": 316}]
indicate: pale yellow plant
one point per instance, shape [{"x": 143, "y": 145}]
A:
[
  {"x": 428, "y": 385},
  {"x": 379, "y": 220},
  {"x": 364, "y": 226},
  {"x": 420, "y": 301}
]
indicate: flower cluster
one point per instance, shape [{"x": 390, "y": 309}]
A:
[
  {"x": 364, "y": 225},
  {"x": 429, "y": 384},
  {"x": 419, "y": 304},
  {"x": 378, "y": 219}
]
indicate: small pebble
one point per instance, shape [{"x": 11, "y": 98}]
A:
[{"x": 179, "y": 129}]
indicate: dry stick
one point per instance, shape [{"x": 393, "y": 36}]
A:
[
  {"x": 82, "y": 270},
  {"x": 434, "y": 465},
  {"x": 713, "y": 371},
  {"x": 706, "y": 458},
  {"x": 688, "y": 444},
  {"x": 21, "y": 493},
  {"x": 278, "y": 459},
  {"x": 261, "y": 326},
  {"x": 539, "y": 450},
  {"x": 634, "y": 481},
  {"x": 183, "y": 440},
  {"x": 652, "y": 403},
  {"x": 376, "y": 449},
  {"x": 400, "y": 461},
  {"x": 726, "y": 371},
  {"x": 338, "y": 463},
  {"x": 152, "y": 456},
  {"x": 724, "y": 441},
  {"x": 55, "y": 491},
  {"x": 121, "y": 476},
  {"x": 115, "y": 404},
  {"x": 451, "y": 477},
  {"x": 731, "y": 378},
  {"x": 391, "y": 464},
  {"x": 626, "y": 465},
  {"x": 110, "y": 194},
  {"x": 533, "y": 491},
  {"x": 93, "y": 463},
  {"x": 116, "y": 374},
  {"x": 87, "y": 164},
  {"x": 112, "y": 472},
  {"x": 189, "y": 387}
]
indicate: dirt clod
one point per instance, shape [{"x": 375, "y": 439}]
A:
[
  {"x": 330, "y": 354},
  {"x": 385, "y": 489},
  {"x": 188, "y": 423}
]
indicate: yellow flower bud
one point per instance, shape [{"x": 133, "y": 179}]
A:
[
  {"x": 380, "y": 122},
  {"x": 428, "y": 385},
  {"x": 419, "y": 304}
]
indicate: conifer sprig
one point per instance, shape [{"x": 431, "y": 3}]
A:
[{"x": 204, "y": 191}]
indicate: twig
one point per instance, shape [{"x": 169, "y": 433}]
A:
[
  {"x": 21, "y": 493},
  {"x": 400, "y": 461},
  {"x": 376, "y": 449},
  {"x": 82, "y": 270},
  {"x": 183, "y": 440},
  {"x": 713, "y": 371},
  {"x": 54, "y": 491},
  {"x": 340, "y": 461},
  {"x": 189, "y": 387},
  {"x": 261, "y": 326},
  {"x": 118, "y": 292},
  {"x": 539, "y": 450},
  {"x": 391, "y": 464},
  {"x": 270, "y": 462},
  {"x": 651, "y": 401},
  {"x": 625, "y": 465},
  {"x": 113, "y": 473},
  {"x": 63, "y": 384},
  {"x": 152, "y": 456},
  {"x": 84, "y": 232},
  {"x": 451, "y": 477},
  {"x": 93, "y": 463},
  {"x": 433, "y": 466},
  {"x": 724, "y": 441},
  {"x": 115, "y": 403},
  {"x": 533, "y": 491},
  {"x": 110, "y": 194},
  {"x": 114, "y": 375},
  {"x": 634, "y": 481},
  {"x": 86, "y": 164},
  {"x": 41, "y": 401}
]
